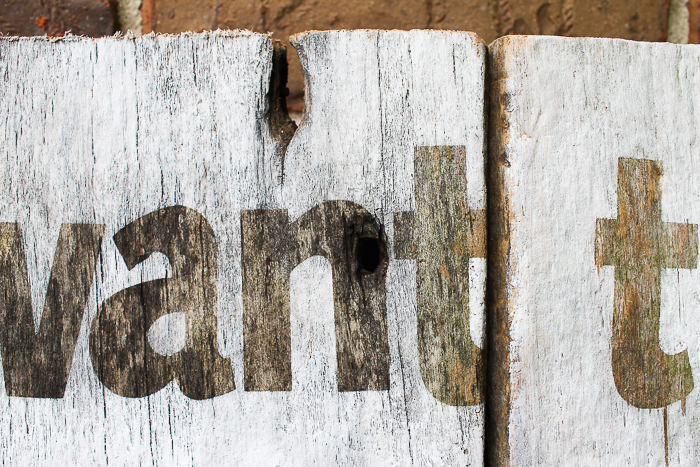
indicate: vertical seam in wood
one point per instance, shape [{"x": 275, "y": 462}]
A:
[{"x": 497, "y": 394}]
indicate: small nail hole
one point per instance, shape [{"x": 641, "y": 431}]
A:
[{"x": 368, "y": 254}]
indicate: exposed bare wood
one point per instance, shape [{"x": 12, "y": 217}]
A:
[{"x": 594, "y": 178}]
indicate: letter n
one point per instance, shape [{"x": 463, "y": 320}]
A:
[{"x": 349, "y": 237}]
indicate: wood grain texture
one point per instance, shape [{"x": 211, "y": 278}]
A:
[
  {"x": 37, "y": 363},
  {"x": 165, "y": 146},
  {"x": 638, "y": 244},
  {"x": 639, "y": 20},
  {"x": 119, "y": 133},
  {"x": 359, "y": 138},
  {"x": 597, "y": 172},
  {"x": 350, "y": 238},
  {"x": 498, "y": 294},
  {"x": 444, "y": 235},
  {"x": 121, "y": 356}
]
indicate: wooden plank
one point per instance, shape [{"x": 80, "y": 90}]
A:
[
  {"x": 594, "y": 344},
  {"x": 388, "y": 136},
  {"x": 158, "y": 142},
  {"x": 203, "y": 296}
]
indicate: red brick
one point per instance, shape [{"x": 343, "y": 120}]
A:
[{"x": 93, "y": 18}]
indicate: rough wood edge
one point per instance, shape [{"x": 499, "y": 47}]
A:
[
  {"x": 497, "y": 400},
  {"x": 219, "y": 33}
]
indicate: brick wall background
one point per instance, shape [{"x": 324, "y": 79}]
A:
[{"x": 643, "y": 20}]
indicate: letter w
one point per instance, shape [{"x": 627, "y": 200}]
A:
[{"x": 37, "y": 363}]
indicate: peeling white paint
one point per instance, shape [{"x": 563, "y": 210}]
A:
[
  {"x": 576, "y": 106},
  {"x": 106, "y": 131}
]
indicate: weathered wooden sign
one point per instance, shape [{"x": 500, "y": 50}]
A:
[
  {"x": 595, "y": 280},
  {"x": 177, "y": 286}
]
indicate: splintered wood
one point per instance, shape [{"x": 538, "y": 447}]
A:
[
  {"x": 595, "y": 288},
  {"x": 177, "y": 287}
]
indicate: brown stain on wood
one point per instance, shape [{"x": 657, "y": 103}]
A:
[
  {"x": 640, "y": 245},
  {"x": 442, "y": 235},
  {"x": 344, "y": 233},
  {"x": 121, "y": 355},
  {"x": 499, "y": 267},
  {"x": 404, "y": 245},
  {"x": 37, "y": 363}
]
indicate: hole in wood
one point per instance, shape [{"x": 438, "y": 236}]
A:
[
  {"x": 368, "y": 254},
  {"x": 282, "y": 126}
]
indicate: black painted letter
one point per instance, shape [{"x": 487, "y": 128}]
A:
[
  {"x": 37, "y": 364},
  {"x": 121, "y": 354},
  {"x": 346, "y": 234}
]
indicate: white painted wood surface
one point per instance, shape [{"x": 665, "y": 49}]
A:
[
  {"x": 571, "y": 109},
  {"x": 107, "y": 131},
  {"x": 356, "y": 142}
]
